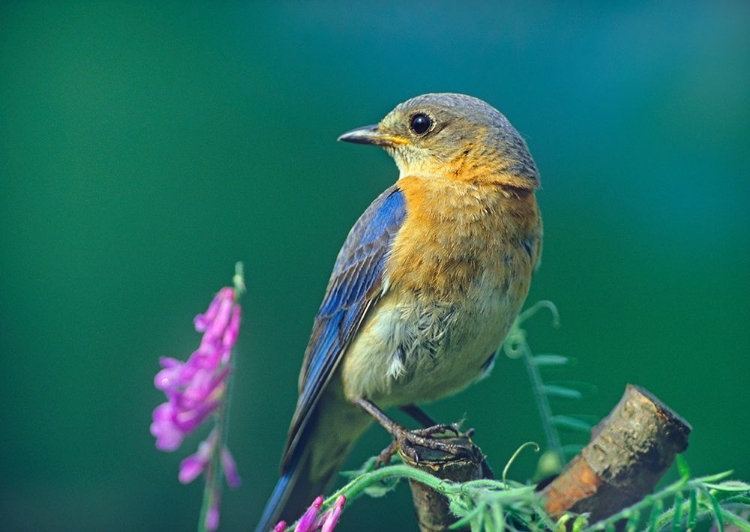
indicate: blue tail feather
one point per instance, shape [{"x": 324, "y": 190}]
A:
[{"x": 275, "y": 502}]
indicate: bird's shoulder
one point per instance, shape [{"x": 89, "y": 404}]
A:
[{"x": 372, "y": 231}]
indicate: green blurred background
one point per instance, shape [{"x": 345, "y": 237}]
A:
[{"x": 144, "y": 149}]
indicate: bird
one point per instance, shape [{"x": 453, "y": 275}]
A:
[{"x": 425, "y": 288}]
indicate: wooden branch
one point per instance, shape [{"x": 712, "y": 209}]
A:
[
  {"x": 630, "y": 450},
  {"x": 433, "y": 514}
]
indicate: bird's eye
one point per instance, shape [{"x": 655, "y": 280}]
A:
[{"x": 420, "y": 123}]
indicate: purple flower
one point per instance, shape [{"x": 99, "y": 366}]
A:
[
  {"x": 309, "y": 518},
  {"x": 331, "y": 519},
  {"x": 311, "y": 522},
  {"x": 168, "y": 436},
  {"x": 212, "y": 517},
  {"x": 230, "y": 468},
  {"x": 196, "y": 390},
  {"x": 195, "y": 464}
]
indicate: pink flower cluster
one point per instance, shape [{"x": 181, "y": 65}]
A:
[
  {"x": 311, "y": 522},
  {"x": 195, "y": 388}
]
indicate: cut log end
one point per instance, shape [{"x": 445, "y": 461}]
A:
[{"x": 629, "y": 452}]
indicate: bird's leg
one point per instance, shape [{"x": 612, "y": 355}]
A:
[
  {"x": 423, "y": 418},
  {"x": 407, "y": 439}
]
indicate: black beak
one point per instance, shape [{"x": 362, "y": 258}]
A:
[{"x": 372, "y": 135}]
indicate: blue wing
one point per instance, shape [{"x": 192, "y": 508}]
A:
[{"x": 355, "y": 285}]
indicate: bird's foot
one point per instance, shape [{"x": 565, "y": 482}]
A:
[
  {"x": 441, "y": 438},
  {"x": 427, "y": 437},
  {"x": 435, "y": 438},
  {"x": 386, "y": 454}
]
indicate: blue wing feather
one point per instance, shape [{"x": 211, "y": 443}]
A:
[{"x": 355, "y": 285}]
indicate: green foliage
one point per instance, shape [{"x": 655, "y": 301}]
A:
[
  {"x": 378, "y": 488},
  {"x": 691, "y": 501},
  {"x": 516, "y": 346},
  {"x": 506, "y": 505},
  {"x": 480, "y": 504}
]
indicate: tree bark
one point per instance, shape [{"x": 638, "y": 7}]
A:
[{"x": 630, "y": 450}]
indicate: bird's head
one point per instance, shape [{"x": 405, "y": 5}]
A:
[{"x": 454, "y": 136}]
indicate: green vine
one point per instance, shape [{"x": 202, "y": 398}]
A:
[
  {"x": 506, "y": 505},
  {"x": 490, "y": 505}
]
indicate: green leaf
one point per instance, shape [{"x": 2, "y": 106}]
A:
[
  {"x": 460, "y": 505},
  {"x": 677, "y": 517},
  {"x": 551, "y": 360},
  {"x": 553, "y": 390},
  {"x": 584, "y": 388},
  {"x": 470, "y": 516},
  {"x": 571, "y": 423},
  {"x": 729, "y": 486},
  {"x": 714, "y": 478},
  {"x": 736, "y": 521},
  {"x": 550, "y": 463},
  {"x": 498, "y": 518},
  {"x": 717, "y": 512},
  {"x": 655, "y": 511},
  {"x": 682, "y": 467},
  {"x": 562, "y": 521},
  {"x": 633, "y": 520},
  {"x": 580, "y": 523},
  {"x": 692, "y": 519}
]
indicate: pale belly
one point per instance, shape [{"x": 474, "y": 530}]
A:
[{"x": 410, "y": 350}]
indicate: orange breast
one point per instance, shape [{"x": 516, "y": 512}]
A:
[{"x": 456, "y": 232}]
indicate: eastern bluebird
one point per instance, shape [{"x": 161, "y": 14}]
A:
[{"x": 424, "y": 289}]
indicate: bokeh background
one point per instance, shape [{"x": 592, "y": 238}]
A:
[{"x": 145, "y": 147}]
